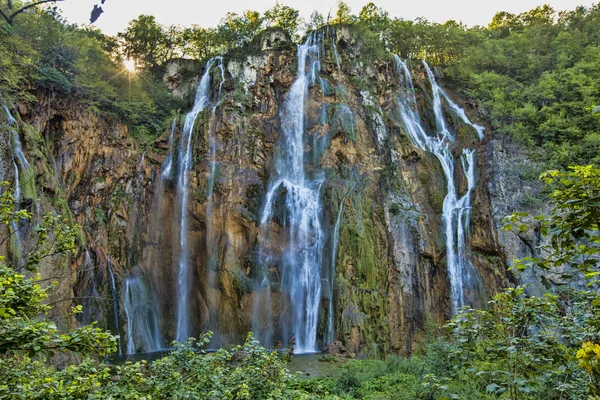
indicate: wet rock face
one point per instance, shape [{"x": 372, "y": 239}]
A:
[
  {"x": 390, "y": 277},
  {"x": 337, "y": 349},
  {"x": 274, "y": 39},
  {"x": 179, "y": 77}
]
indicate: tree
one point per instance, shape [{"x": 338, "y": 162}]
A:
[
  {"x": 343, "y": 14},
  {"x": 23, "y": 328},
  {"x": 283, "y": 17},
  {"x": 25, "y": 332},
  {"x": 149, "y": 43},
  {"x": 200, "y": 42},
  {"x": 13, "y": 11},
  {"x": 524, "y": 346},
  {"x": 374, "y": 17},
  {"x": 315, "y": 21},
  {"x": 237, "y": 30},
  {"x": 572, "y": 227}
]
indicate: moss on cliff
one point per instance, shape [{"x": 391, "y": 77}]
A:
[{"x": 361, "y": 283}]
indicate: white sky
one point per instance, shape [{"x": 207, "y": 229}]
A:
[{"x": 117, "y": 13}]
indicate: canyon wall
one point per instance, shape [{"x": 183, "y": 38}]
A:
[{"x": 383, "y": 279}]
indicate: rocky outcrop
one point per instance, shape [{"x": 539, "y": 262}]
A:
[{"x": 391, "y": 278}]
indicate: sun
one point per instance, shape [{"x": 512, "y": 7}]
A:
[{"x": 129, "y": 65}]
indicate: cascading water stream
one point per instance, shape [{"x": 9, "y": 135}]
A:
[
  {"x": 17, "y": 243},
  {"x": 115, "y": 301},
  {"x": 465, "y": 283},
  {"x": 168, "y": 163},
  {"x": 127, "y": 304},
  {"x": 23, "y": 172},
  {"x": 185, "y": 164},
  {"x": 24, "y": 177},
  {"x": 211, "y": 242},
  {"x": 143, "y": 332},
  {"x": 437, "y": 91},
  {"x": 141, "y": 165},
  {"x": 89, "y": 267},
  {"x": 141, "y": 313},
  {"x": 11, "y": 120},
  {"x": 91, "y": 295},
  {"x": 336, "y": 55},
  {"x": 301, "y": 261}
]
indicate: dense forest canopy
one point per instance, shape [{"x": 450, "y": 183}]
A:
[{"x": 533, "y": 77}]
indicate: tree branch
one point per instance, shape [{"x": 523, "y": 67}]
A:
[
  {"x": 76, "y": 298},
  {"x": 25, "y": 8},
  {"x": 5, "y": 16}
]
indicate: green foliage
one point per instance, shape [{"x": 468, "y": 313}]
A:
[
  {"x": 523, "y": 347},
  {"x": 535, "y": 73},
  {"x": 8, "y": 212},
  {"x": 572, "y": 226},
  {"x": 24, "y": 331},
  {"x": 427, "y": 375},
  {"x": 236, "y": 30},
  {"x": 28, "y": 341},
  {"x": 315, "y": 21},
  {"x": 242, "y": 372},
  {"x": 589, "y": 360},
  {"x": 284, "y": 17},
  {"x": 149, "y": 43},
  {"x": 343, "y": 14},
  {"x": 53, "y": 80},
  {"x": 54, "y": 235},
  {"x": 41, "y": 55}
]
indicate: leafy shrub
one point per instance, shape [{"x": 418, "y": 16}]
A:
[
  {"x": 242, "y": 372},
  {"x": 523, "y": 347},
  {"x": 52, "y": 80}
]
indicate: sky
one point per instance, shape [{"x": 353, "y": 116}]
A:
[{"x": 207, "y": 13}]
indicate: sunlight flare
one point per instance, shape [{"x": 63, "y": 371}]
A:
[{"x": 130, "y": 65}]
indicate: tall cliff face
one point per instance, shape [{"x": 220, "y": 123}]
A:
[{"x": 371, "y": 240}]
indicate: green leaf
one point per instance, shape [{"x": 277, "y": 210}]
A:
[{"x": 492, "y": 388}]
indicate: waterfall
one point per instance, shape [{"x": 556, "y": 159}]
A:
[
  {"x": 437, "y": 91},
  {"x": 11, "y": 120},
  {"x": 24, "y": 179},
  {"x": 141, "y": 165},
  {"x": 465, "y": 282},
  {"x": 89, "y": 266},
  {"x": 334, "y": 250},
  {"x": 141, "y": 312},
  {"x": 185, "y": 163},
  {"x": 15, "y": 233},
  {"x": 23, "y": 171},
  {"x": 143, "y": 332},
  {"x": 301, "y": 261},
  {"x": 168, "y": 163},
  {"x": 336, "y": 55},
  {"x": 90, "y": 293},
  {"x": 115, "y": 301},
  {"x": 211, "y": 242}
]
